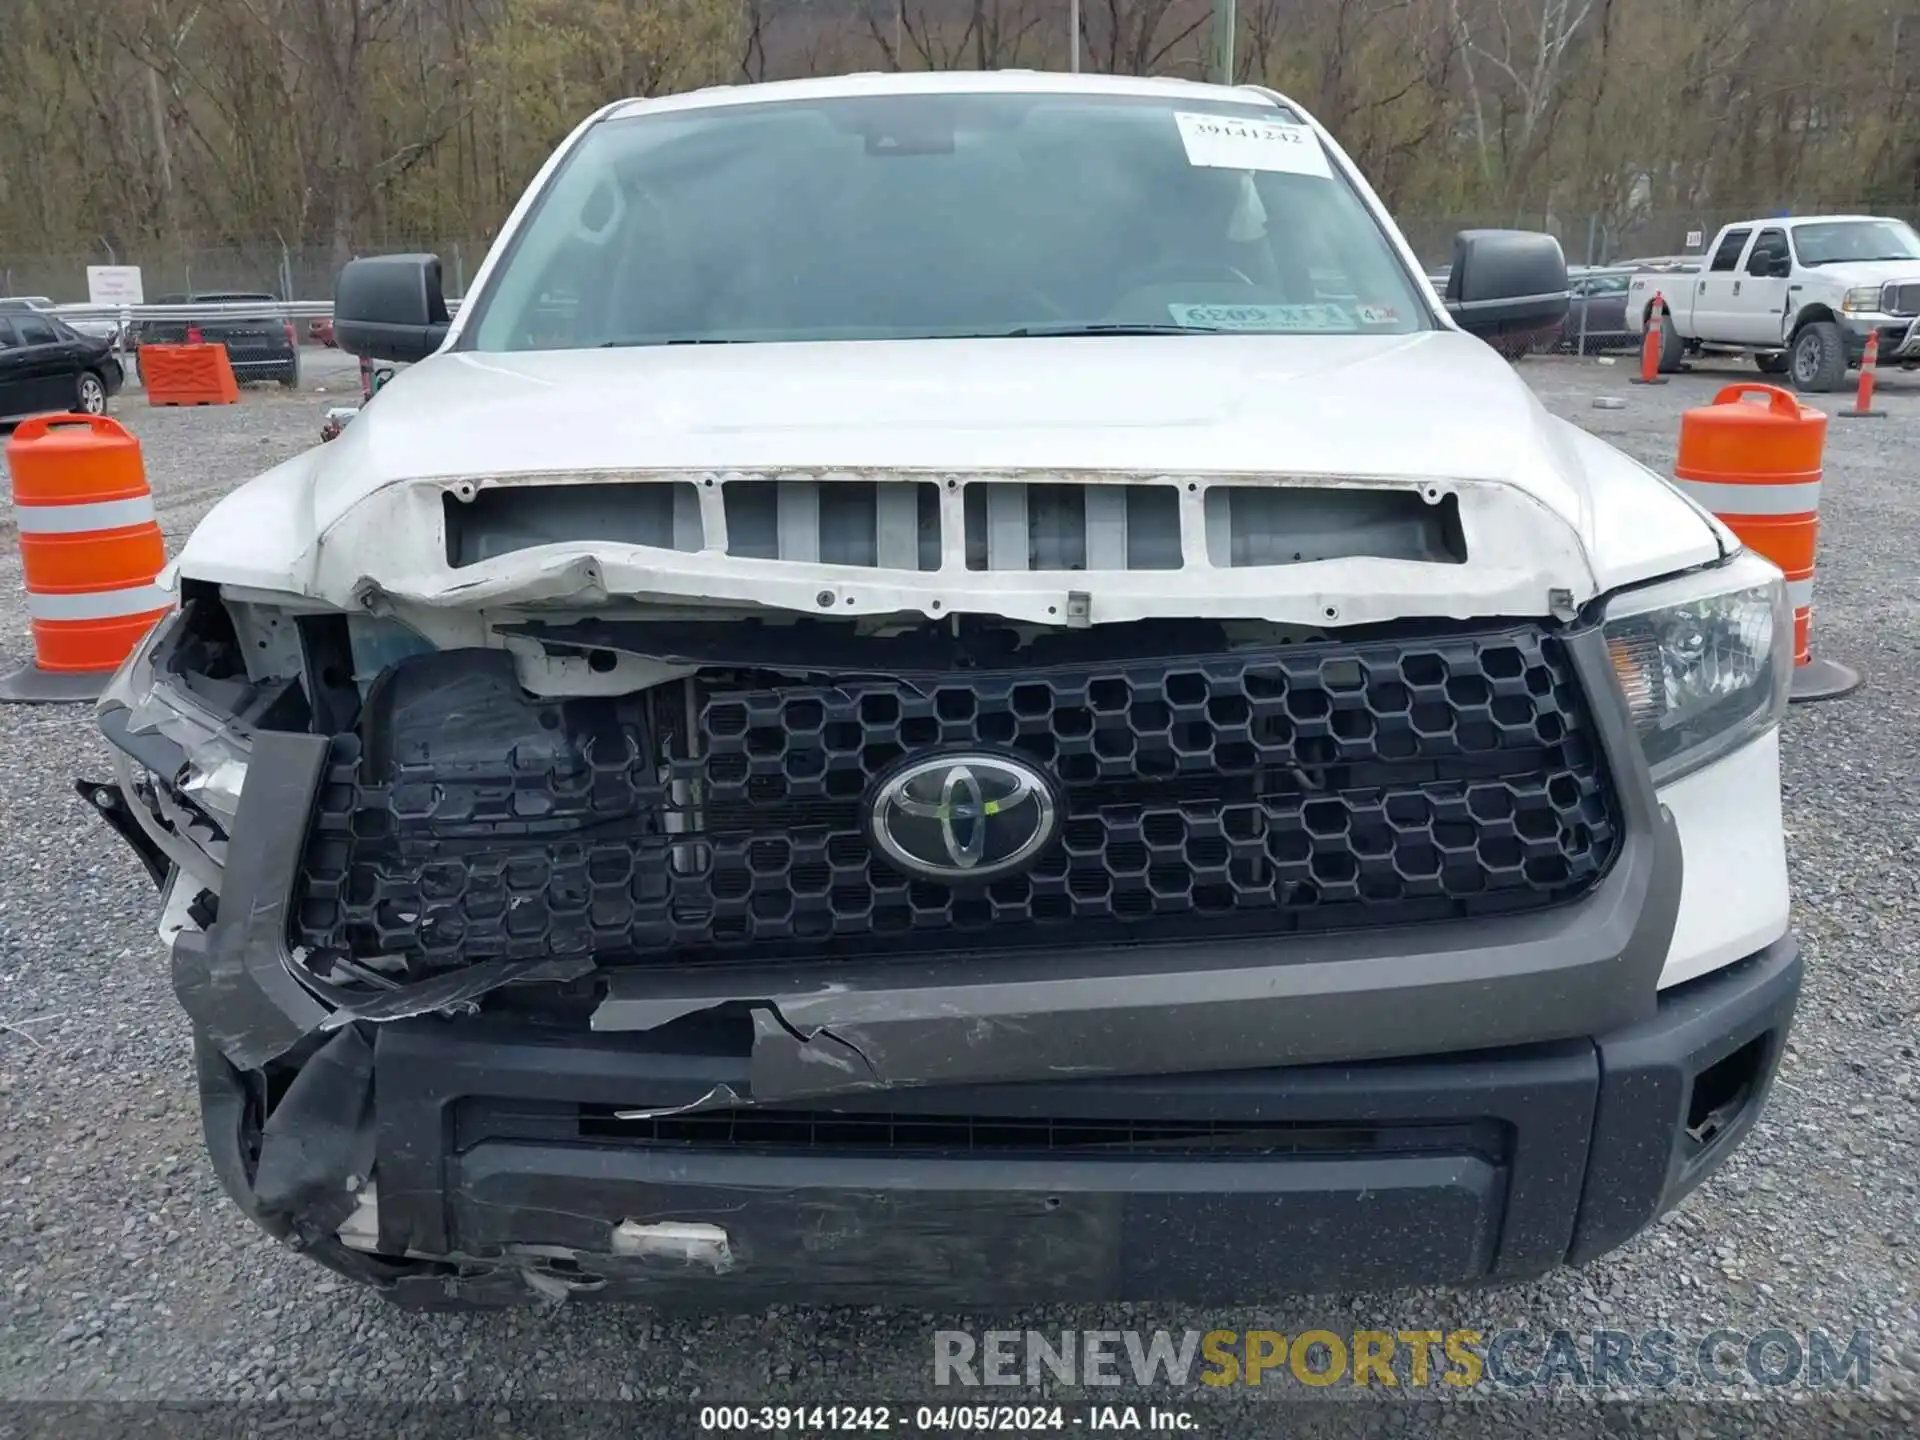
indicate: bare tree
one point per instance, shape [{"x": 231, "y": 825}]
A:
[
  {"x": 950, "y": 34},
  {"x": 158, "y": 129}
]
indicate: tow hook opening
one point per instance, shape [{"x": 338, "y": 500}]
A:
[{"x": 1723, "y": 1091}]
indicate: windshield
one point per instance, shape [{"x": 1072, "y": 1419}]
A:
[
  {"x": 893, "y": 217},
  {"x": 1856, "y": 240}
]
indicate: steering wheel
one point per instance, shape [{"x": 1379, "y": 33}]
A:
[{"x": 1203, "y": 271}]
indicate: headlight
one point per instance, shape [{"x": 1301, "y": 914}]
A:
[
  {"x": 175, "y": 750},
  {"x": 210, "y": 762},
  {"x": 1705, "y": 661},
  {"x": 1862, "y": 300}
]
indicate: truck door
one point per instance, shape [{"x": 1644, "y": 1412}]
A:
[
  {"x": 1713, "y": 297},
  {"x": 1760, "y": 294}
]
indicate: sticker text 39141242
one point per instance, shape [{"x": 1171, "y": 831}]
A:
[{"x": 1230, "y": 142}]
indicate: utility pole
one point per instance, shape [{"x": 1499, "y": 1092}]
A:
[
  {"x": 1226, "y": 19},
  {"x": 1073, "y": 38}
]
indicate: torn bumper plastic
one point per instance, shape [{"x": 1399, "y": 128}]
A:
[{"x": 507, "y": 1175}]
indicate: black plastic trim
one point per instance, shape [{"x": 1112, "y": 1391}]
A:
[
  {"x": 109, "y": 801},
  {"x": 234, "y": 979},
  {"x": 1540, "y": 1097},
  {"x": 1647, "y": 1075},
  {"x": 1493, "y": 1166}
]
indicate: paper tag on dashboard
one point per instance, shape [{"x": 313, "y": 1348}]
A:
[
  {"x": 1231, "y": 143},
  {"x": 1263, "y": 317}
]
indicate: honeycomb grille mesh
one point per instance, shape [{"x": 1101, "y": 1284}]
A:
[{"x": 1297, "y": 789}]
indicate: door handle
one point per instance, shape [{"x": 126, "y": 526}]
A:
[{"x": 1736, "y": 287}]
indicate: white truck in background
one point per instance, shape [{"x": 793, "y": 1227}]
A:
[{"x": 1799, "y": 295}]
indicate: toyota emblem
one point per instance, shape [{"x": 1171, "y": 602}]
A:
[{"x": 963, "y": 817}]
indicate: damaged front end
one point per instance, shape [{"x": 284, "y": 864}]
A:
[{"x": 599, "y": 891}]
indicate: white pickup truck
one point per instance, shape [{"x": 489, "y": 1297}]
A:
[
  {"x": 949, "y": 687},
  {"x": 1800, "y": 295}
]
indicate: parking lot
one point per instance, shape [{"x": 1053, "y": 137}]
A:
[{"x": 126, "y": 1273}]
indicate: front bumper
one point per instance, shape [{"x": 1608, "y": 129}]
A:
[
  {"x": 1899, "y": 337},
  {"x": 504, "y": 1169},
  {"x": 1440, "y": 1086}
]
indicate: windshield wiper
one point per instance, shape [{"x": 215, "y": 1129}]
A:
[
  {"x": 672, "y": 340},
  {"x": 1024, "y": 332}
]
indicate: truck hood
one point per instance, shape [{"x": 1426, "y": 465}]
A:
[
  {"x": 1559, "y": 511},
  {"x": 1867, "y": 272}
]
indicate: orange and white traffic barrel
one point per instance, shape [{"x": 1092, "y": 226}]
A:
[
  {"x": 1758, "y": 468},
  {"x": 90, "y": 553}
]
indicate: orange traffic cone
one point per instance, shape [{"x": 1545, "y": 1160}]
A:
[
  {"x": 1863, "y": 401},
  {"x": 1650, "y": 345}
]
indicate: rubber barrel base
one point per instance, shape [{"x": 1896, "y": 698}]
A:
[
  {"x": 30, "y": 685},
  {"x": 1823, "y": 680}
]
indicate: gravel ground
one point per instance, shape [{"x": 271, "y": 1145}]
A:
[{"x": 125, "y": 1273}]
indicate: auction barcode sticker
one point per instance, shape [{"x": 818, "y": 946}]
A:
[{"x": 1231, "y": 143}]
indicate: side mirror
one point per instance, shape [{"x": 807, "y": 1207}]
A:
[
  {"x": 1506, "y": 282},
  {"x": 1782, "y": 267},
  {"x": 390, "y": 307}
]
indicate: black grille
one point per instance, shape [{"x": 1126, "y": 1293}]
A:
[
  {"x": 1903, "y": 299},
  {"x": 1305, "y": 788}
]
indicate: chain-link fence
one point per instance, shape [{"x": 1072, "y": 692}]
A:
[
  {"x": 1593, "y": 240},
  {"x": 1600, "y": 249},
  {"x": 287, "y": 272}
]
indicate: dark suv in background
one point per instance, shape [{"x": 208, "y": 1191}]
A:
[{"x": 260, "y": 339}]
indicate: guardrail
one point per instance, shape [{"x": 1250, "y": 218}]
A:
[
  {"x": 117, "y": 322},
  {"x": 212, "y": 310}
]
